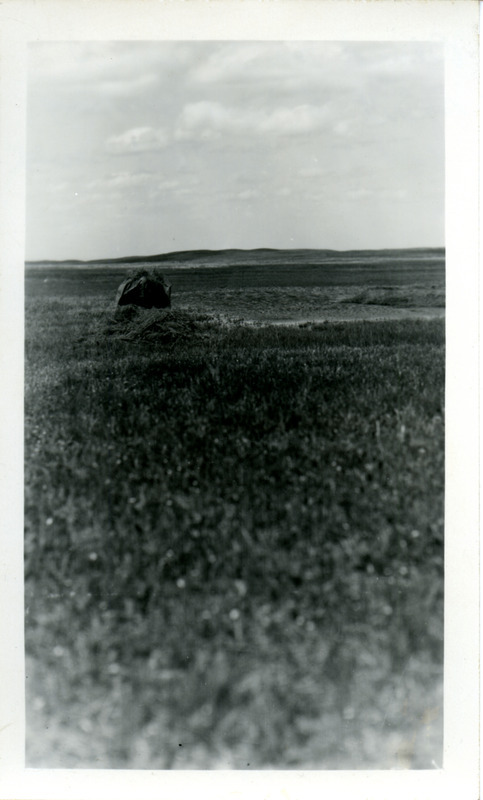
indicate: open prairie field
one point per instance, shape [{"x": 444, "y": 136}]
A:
[
  {"x": 272, "y": 285},
  {"x": 234, "y": 528}
]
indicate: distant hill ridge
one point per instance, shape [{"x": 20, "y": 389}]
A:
[{"x": 193, "y": 255}]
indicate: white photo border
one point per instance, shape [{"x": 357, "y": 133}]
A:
[{"x": 456, "y": 24}]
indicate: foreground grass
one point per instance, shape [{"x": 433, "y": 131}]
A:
[{"x": 234, "y": 543}]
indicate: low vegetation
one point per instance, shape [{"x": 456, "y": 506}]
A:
[
  {"x": 403, "y": 297},
  {"x": 234, "y": 541}
]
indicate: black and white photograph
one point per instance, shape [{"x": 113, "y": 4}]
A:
[
  {"x": 238, "y": 414},
  {"x": 235, "y": 293}
]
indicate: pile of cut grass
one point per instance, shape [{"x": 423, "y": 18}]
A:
[{"x": 133, "y": 324}]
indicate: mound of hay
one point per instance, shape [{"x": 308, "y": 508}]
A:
[
  {"x": 144, "y": 289},
  {"x": 135, "y": 324}
]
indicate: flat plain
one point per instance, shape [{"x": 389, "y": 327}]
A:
[{"x": 234, "y": 514}]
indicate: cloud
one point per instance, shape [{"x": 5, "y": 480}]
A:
[
  {"x": 125, "y": 180},
  {"x": 125, "y": 88},
  {"x": 84, "y": 61},
  {"x": 284, "y": 64},
  {"x": 383, "y": 194},
  {"x": 203, "y": 119},
  {"x": 407, "y": 59},
  {"x": 137, "y": 140},
  {"x": 114, "y": 69},
  {"x": 130, "y": 186},
  {"x": 301, "y": 66},
  {"x": 121, "y": 180},
  {"x": 360, "y": 194},
  {"x": 311, "y": 172},
  {"x": 247, "y": 194},
  {"x": 296, "y": 120},
  {"x": 238, "y": 62},
  {"x": 210, "y": 120}
]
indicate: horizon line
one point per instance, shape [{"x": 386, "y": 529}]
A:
[{"x": 208, "y": 251}]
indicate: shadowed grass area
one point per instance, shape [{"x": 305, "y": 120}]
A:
[{"x": 234, "y": 541}]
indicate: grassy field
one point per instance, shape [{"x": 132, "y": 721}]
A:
[
  {"x": 234, "y": 538},
  {"x": 311, "y": 276}
]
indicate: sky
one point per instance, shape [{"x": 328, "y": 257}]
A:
[{"x": 139, "y": 148}]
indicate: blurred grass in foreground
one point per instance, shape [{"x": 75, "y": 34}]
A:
[{"x": 234, "y": 543}]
